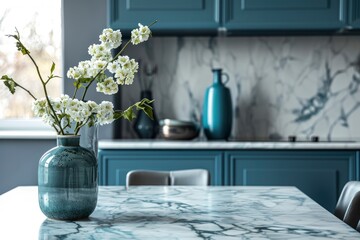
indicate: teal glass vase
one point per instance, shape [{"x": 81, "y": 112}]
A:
[
  {"x": 68, "y": 180},
  {"x": 217, "y": 109}
]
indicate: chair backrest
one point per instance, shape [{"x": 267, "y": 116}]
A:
[
  {"x": 348, "y": 206},
  {"x": 195, "y": 177},
  {"x": 147, "y": 177}
]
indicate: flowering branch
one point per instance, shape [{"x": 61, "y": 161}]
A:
[
  {"x": 11, "y": 84},
  {"x": 61, "y": 113},
  {"x": 24, "y": 51}
]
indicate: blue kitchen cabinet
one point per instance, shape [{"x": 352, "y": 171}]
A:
[
  {"x": 354, "y": 14},
  {"x": 284, "y": 14},
  {"x": 114, "y": 164},
  {"x": 319, "y": 174},
  {"x": 174, "y": 16},
  {"x": 207, "y": 17}
]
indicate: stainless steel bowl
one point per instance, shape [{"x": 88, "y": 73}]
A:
[{"x": 172, "y": 129}]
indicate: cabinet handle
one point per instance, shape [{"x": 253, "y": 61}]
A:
[
  {"x": 217, "y": 11},
  {"x": 342, "y": 9}
]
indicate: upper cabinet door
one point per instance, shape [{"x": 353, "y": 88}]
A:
[
  {"x": 354, "y": 14},
  {"x": 174, "y": 16},
  {"x": 284, "y": 14}
]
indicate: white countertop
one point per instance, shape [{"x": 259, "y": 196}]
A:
[
  {"x": 181, "y": 212},
  {"x": 163, "y": 144}
]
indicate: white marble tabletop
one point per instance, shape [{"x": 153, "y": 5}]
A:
[
  {"x": 156, "y": 212},
  {"x": 163, "y": 144}
]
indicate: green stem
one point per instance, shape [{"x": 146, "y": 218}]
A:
[
  {"x": 153, "y": 23},
  {"x": 92, "y": 80},
  {"x": 78, "y": 127},
  {"x": 46, "y": 94},
  {"x": 103, "y": 69},
  {"x": 75, "y": 91},
  {"x": 18, "y": 85}
]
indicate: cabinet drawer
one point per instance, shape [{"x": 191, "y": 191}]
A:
[
  {"x": 319, "y": 174},
  {"x": 114, "y": 164},
  {"x": 173, "y": 16},
  {"x": 284, "y": 14}
]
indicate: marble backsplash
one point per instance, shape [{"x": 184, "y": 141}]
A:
[{"x": 280, "y": 86}]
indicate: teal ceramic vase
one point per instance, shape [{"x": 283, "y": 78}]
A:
[
  {"x": 217, "y": 109},
  {"x": 144, "y": 126},
  {"x": 68, "y": 180}
]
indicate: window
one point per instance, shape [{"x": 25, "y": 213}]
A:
[{"x": 39, "y": 24}]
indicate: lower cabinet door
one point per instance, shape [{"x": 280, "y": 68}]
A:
[
  {"x": 114, "y": 164},
  {"x": 319, "y": 174}
]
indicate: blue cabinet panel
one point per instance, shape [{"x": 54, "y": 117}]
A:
[
  {"x": 284, "y": 14},
  {"x": 319, "y": 174},
  {"x": 354, "y": 13},
  {"x": 174, "y": 16},
  {"x": 114, "y": 164}
]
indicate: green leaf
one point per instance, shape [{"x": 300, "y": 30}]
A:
[
  {"x": 149, "y": 112},
  {"x": 6, "y": 77},
  {"x": 129, "y": 114},
  {"x": 144, "y": 105},
  {"x": 22, "y": 48},
  {"x": 10, "y": 85},
  {"x": 52, "y": 68}
]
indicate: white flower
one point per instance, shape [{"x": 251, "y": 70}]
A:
[
  {"x": 105, "y": 114},
  {"x": 64, "y": 99},
  {"x": 99, "y": 64},
  {"x": 93, "y": 107},
  {"x": 120, "y": 76},
  {"x": 134, "y": 65},
  {"x": 129, "y": 79},
  {"x": 39, "y": 107},
  {"x": 110, "y": 38},
  {"x": 108, "y": 86},
  {"x": 56, "y": 104},
  {"x": 135, "y": 37},
  {"x": 140, "y": 34},
  {"x": 123, "y": 60},
  {"x": 113, "y": 66},
  {"x": 100, "y": 52}
]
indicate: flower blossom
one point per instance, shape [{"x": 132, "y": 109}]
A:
[
  {"x": 108, "y": 86},
  {"x": 140, "y": 34}
]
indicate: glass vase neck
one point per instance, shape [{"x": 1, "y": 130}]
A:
[
  {"x": 68, "y": 141},
  {"x": 217, "y": 76}
]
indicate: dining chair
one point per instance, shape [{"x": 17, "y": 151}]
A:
[
  {"x": 147, "y": 177},
  {"x": 195, "y": 177},
  {"x": 348, "y": 206}
]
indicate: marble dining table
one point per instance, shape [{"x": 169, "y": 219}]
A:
[{"x": 178, "y": 212}]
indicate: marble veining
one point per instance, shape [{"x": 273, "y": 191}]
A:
[
  {"x": 280, "y": 86},
  {"x": 202, "y": 213}
]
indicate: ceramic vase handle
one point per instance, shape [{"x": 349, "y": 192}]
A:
[{"x": 227, "y": 78}]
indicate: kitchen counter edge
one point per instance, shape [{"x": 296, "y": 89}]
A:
[{"x": 161, "y": 144}]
